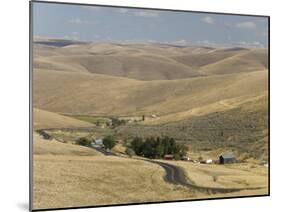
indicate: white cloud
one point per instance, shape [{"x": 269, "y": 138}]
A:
[
  {"x": 246, "y": 25},
  {"x": 254, "y": 44},
  {"x": 72, "y": 36},
  {"x": 91, "y": 8},
  {"x": 180, "y": 42},
  {"x": 204, "y": 42},
  {"x": 208, "y": 20},
  {"x": 258, "y": 44},
  {"x": 146, "y": 13},
  {"x": 79, "y": 21},
  {"x": 123, "y": 10},
  {"x": 141, "y": 13}
]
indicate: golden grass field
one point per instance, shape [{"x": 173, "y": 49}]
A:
[
  {"x": 227, "y": 176},
  {"x": 44, "y": 120},
  {"x": 205, "y": 97},
  {"x": 67, "y": 175}
]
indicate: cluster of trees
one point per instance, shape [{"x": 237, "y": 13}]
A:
[
  {"x": 117, "y": 122},
  {"x": 158, "y": 147},
  {"x": 108, "y": 142},
  {"x": 83, "y": 141}
]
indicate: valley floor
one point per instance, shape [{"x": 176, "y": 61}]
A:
[{"x": 67, "y": 175}]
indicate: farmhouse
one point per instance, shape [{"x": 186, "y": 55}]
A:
[
  {"x": 209, "y": 161},
  {"x": 97, "y": 143},
  {"x": 168, "y": 157},
  {"x": 227, "y": 158}
]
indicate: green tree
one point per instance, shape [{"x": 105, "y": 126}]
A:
[
  {"x": 147, "y": 149},
  {"x": 137, "y": 145},
  {"x": 177, "y": 156},
  {"x": 157, "y": 147},
  {"x": 159, "y": 151},
  {"x": 181, "y": 149},
  {"x": 109, "y": 142},
  {"x": 83, "y": 141}
]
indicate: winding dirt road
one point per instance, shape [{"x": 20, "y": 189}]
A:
[{"x": 176, "y": 175}]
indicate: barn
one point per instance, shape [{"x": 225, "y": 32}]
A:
[
  {"x": 168, "y": 157},
  {"x": 227, "y": 158},
  {"x": 97, "y": 143}
]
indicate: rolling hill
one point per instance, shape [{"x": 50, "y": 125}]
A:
[
  {"x": 204, "y": 96},
  {"x": 147, "y": 61},
  {"x": 56, "y": 148},
  {"x": 102, "y": 94},
  {"x": 46, "y": 120},
  {"x": 253, "y": 60}
]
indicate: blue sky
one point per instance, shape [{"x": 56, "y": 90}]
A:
[{"x": 99, "y": 24}]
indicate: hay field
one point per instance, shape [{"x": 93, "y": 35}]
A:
[
  {"x": 67, "y": 175},
  {"x": 70, "y": 180}
]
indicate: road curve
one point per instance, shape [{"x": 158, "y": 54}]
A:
[{"x": 176, "y": 175}]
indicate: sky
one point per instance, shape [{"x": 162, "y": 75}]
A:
[{"x": 109, "y": 24}]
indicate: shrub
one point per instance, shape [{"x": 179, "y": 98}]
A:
[
  {"x": 215, "y": 178},
  {"x": 109, "y": 142},
  {"x": 83, "y": 141},
  {"x": 137, "y": 145},
  {"x": 177, "y": 156}
]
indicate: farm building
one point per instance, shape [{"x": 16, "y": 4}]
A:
[
  {"x": 185, "y": 158},
  {"x": 227, "y": 158},
  {"x": 209, "y": 161},
  {"x": 97, "y": 143},
  {"x": 168, "y": 157}
]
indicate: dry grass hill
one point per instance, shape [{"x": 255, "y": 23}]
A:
[
  {"x": 101, "y": 94},
  {"x": 67, "y": 175},
  {"x": 205, "y": 96},
  {"x": 45, "y": 120},
  {"x": 212, "y": 99}
]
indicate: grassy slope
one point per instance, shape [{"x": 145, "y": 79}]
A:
[
  {"x": 45, "y": 120},
  {"x": 228, "y": 176},
  {"x": 252, "y": 60},
  {"x": 99, "y": 180},
  {"x": 101, "y": 94},
  {"x": 187, "y": 108},
  {"x": 218, "y": 105},
  {"x": 148, "y": 62},
  {"x": 198, "y": 60},
  {"x": 242, "y": 129},
  {"x": 54, "y": 148}
]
